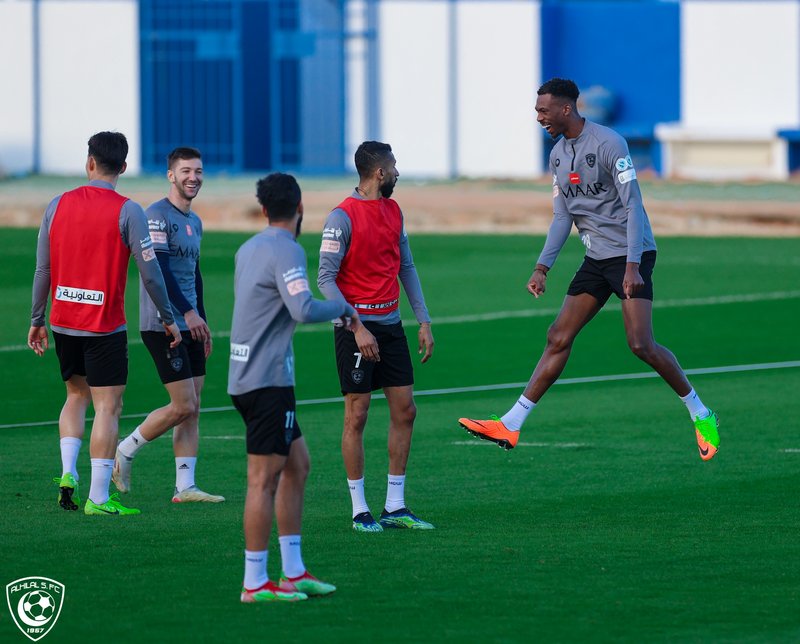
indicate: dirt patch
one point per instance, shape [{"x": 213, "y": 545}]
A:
[{"x": 464, "y": 207}]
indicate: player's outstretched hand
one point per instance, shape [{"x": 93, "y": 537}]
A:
[
  {"x": 37, "y": 339},
  {"x": 425, "y": 337},
  {"x": 175, "y": 332},
  {"x": 197, "y": 326},
  {"x": 350, "y": 322},
  {"x": 536, "y": 284}
]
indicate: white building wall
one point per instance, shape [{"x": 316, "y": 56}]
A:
[
  {"x": 457, "y": 86},
  {"x": 16, "y": 88},
  {"x": 414, "y": 85},
  {"x": 740, "y": 84},
  {"x": 740, "y": 64},
  {"x": 89, "y": 79},
  {"x": 498, "y": 67}
]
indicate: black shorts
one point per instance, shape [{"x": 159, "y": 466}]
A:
[
  {"x": 360, "y": 376},
  {"x": 185, "y": 361},
  {"x": 102, "y": 359},
  {"x": 270, "y": 418},
  {"x": 602, "y": 277}
]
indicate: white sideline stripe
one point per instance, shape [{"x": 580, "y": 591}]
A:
[
  {"x": 791, "y": 450},
  {"x": 555, "y": 445},
  {"x": 762, "y": 366},
  {"x": 525, "y": 313}
]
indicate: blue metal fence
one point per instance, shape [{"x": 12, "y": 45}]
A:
[{"x": 235, "y": 78}]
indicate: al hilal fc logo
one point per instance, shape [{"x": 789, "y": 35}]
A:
[{"x": 35, "y": 604}]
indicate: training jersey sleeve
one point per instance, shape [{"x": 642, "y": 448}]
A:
[
  {"x": 336, "y": 236},
  {"x": 198, "y": 281},
  {"x": 560, "y": 227},
  {"x": 136, "y": 236},
  {"x": 615, "y": 156},
  {"x": 291, "y": 277},
  {"x": 160, "y": 231},
  {"x": 410, "y": 280},
  {"x": 41, "y": 276}
]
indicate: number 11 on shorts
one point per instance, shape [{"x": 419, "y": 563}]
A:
[{"x": 289, "y": 419}]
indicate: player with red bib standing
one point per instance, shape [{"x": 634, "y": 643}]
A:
[
  {"x": 364, "y": 251},
  {"x": 85, "y": 241}
]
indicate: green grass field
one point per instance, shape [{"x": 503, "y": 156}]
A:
[{"x": 603, "y": 525}]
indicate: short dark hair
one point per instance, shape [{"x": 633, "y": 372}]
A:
[
  {"x": 561, "y": 88},
  {"x": 279, "y": 194},
  {"x": 109, "y": 150},
  {"x": 182, "y": 153},
  {"x": 370, "y": 155}
]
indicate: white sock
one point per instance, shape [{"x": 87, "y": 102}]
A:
[
  {"x": 695, "y": 406},
  {"x": 395, "y": 493},
  {"x": 291, "y": 557},
  {"x": 70, "y": 447},
  {"x": 357, "y": 496},
  {"x": 101, "y": 479},
  {"x": 255, "y": 569},
  {"x": 133, "y": 443},
  {"x": 517, "y": 414},
  {"x": 184, "y": 472}
]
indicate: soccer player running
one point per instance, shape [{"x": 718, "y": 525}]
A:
[
  {"x": 271, "y": 295},
  {"x": 595, "y": 187},
  {"x": 364, "y": 250},
  {"x": 85, "y": 242},
  {"x": 176, "y": 231}
]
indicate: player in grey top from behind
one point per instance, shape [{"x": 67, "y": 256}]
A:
[
  {"x": 176, "y": 231},
  {"x": 595, "y": 187},
  {"x": 94, "y": 365},
  {"x": 271, "y": 295}
]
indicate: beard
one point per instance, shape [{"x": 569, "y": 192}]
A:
[
  {"x": 299, "y": 225},
  {"x": 184, "y": 194},
  {"x": 387, "y": 189}
]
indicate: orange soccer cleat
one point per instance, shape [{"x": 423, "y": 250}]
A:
[{"x": 491, "y": 430}]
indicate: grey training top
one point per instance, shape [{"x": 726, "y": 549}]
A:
[
  {"x": 177, "y": 233},
  {"x": 338, "y": 228},
  {"x": 271, "y": 295},
  {"x": 595, "y": 187},
  {"x": 133, "y": 230}
]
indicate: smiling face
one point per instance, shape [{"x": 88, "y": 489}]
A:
[
  {"x": 186, "y": 176},
  {"x": 553, "y": 114}
]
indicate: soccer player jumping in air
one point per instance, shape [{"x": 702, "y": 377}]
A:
[{"x": 595, "y": 187}]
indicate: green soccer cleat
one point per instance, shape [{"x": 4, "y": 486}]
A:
[
  {"x": 112, "y": 506},
  {"x": 403, "y": 518},
  {"x": 68, "y": 496},
  {"x": 306, "y": 583},
  {"x": 707, "y": 431},
  {"x": 363, "y": 522},
  {"x": 270, "y": 592}
]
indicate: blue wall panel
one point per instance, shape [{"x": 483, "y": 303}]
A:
[
  {"x": 632, "y": 49},
  {"x": 257, "y": 79},
  {"x": 227, "y": 77}
]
